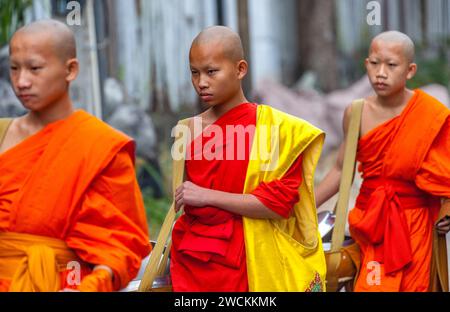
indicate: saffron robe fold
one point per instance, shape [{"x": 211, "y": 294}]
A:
[
  {"x": 75, "y": 181},
  {"x": 208, "y": 252},
  {"x": 405, "y": 166}
]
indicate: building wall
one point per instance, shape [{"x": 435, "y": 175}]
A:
[
  {"x": 153, "y": 46},
  {"x": 274, "y": 48},
  {"x": 354, "y": 32}
]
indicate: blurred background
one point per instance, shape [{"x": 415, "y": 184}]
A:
[{"x": 306, "y": 58}]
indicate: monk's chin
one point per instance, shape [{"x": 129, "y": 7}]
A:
[
  {"x": 33, "y": 107},
  {"x": 209, "y": 104}
]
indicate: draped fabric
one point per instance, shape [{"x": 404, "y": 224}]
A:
[
  {"x": 405, "y": 165},
  {"x": 208, "y": 252},
  {"x": 75, "y": 181}
]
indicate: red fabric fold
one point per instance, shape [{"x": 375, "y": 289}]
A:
[
  {"x": 281, "y": 195},
  {"x": 208, "y": 252}
]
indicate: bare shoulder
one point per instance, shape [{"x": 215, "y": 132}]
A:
[
  {"x": 15, "y": 133},
  {"x": 17, "y": 127}
]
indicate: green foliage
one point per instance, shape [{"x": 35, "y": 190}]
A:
[
  {"x": 11, "y": 17},
  {"x": 157, "y": 207},
  {"x": 121, "y": 73},
  {"x": 156, "y": 210},
  {"x": 431, "y": 71},
  {"x": 435, "y": 71}
]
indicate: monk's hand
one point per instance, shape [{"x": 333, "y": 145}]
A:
[
  {"x": 190, "y": 194},
  {"x": 443, "y": 226},
  {"x": 100, "y": 280}
]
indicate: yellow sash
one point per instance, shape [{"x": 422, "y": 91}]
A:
[
  {"x": 284, "y": 255},
  {"x": 33, "y": 263}
]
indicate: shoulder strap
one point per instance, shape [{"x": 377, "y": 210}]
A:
[
  {"x": 348, "y": 171},
  {"x": 4, "y": 125},
  {"x": 156, "y": 265}
]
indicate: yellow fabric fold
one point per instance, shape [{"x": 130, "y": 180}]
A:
[
  {"x": 284, "y": 255},
  {"x": 33, "y": 263}
]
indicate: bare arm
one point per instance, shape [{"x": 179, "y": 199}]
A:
[
  {"x": 330, "y": 184},
  {"x": 246, "y": 205}
]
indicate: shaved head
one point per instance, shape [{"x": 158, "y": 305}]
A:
[
  {"x": 229, "y": 40},
  {"x": 399, "y": 38},
  {"x": 60, "y": 35}
]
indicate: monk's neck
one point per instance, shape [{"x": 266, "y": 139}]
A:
[
  {"x": 219, "y": 110},
  {"x": 54, "y": 112},
  {"x": 397, "y": 100}
]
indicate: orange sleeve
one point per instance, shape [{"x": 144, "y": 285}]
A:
[
  {"x": 111, "y": 227},
  {"x": 434, "y": 174}
]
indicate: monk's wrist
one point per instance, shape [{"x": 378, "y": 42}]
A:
[
  {"x": 213, "y": 198},
  {"x": 105, "y": 268}
]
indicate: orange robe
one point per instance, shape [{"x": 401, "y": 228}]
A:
[
  {"x": 208, "y": 251},
  {"x": 405, "y": 165},
  {"x": 75, "y": 181}
]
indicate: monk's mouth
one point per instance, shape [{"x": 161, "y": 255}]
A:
[
  {"x": 206, "y": 97},
  {"x": 26, "y": 97},
  {"x": 381, "y": 85}
]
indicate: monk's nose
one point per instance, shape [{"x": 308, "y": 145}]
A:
[
  {"x": 23, "y": 81},
  {"x": 203, "y": 82},
  {"x": 381, "y": 73}
]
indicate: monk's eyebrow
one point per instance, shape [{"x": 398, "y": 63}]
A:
[
  {"x": 205, "y": 67},
  {"x": 36, "y": 60}
]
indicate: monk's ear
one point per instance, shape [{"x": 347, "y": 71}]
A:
[
  {"x": 412, "y": 70},
  {"x": 242, "y": 69},
  {"x": 72, "y": 67},
  {"x": 366, "y": 62}
]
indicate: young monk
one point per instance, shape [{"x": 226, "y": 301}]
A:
[
  {"x": 71, "y": 213},
  {"x": 404, "y": 156},
  {"x": 222, "y": 242}
]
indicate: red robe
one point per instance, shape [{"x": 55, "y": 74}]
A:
[
  {"x": 75, "y": 181},
  {"x": 405, "y": 165},
  {"x": 208, "y": 252}
]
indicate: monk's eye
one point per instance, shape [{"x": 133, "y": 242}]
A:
[
  {"x": 13, "y": 68},
  {"x": 36, "y": 68},
  {"x": 373, "y": 63},
  {"x": 212, "y": 71},
  {"x": 392, "y": 65},
  {"x": 194, "y": 72}
]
